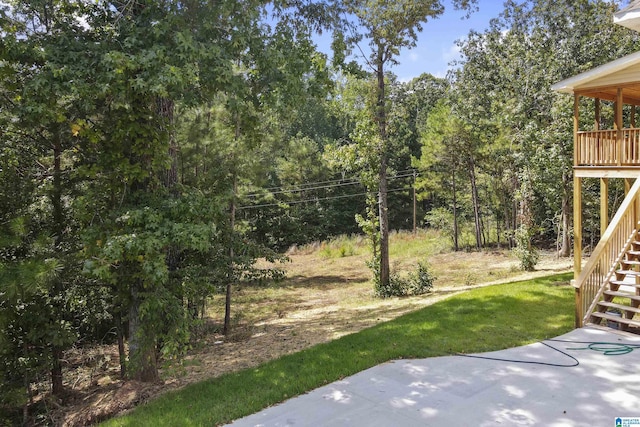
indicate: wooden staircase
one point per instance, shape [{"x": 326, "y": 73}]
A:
[
  {"x": 619, "y": 304},
  {"x": 608, "y": 287}
]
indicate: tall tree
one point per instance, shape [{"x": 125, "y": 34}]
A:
[
  {"x": 444, "y": 143},
  {"x": 388, "y": 26}
]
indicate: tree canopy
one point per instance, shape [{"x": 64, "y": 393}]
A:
[{"x": 152, "y": 151}]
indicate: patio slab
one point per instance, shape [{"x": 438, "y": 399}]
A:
[{"x": 583, "y": 387}]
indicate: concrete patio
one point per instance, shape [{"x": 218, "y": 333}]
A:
[{"x": 586, "y": 388}]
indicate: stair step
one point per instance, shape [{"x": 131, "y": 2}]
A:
[
  {"x": 621, "y": 307},
  {"x": 628, "y": 272},
  {"x": 623, "y": 283},
  {"x": 623, "y": 295},
  {"x": 616, "y": 319},
  {"x": 630, "y": 262},
  {"x": 633, "y": 252}
]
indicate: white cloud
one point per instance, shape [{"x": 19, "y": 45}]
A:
[{"x": 451, "y": 54}]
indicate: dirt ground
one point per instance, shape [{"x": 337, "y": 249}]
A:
[{"x": 321, "y": 300}]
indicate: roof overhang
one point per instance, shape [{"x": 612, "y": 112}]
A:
[
  {"x": 603, "y": 81},
  {"x": 629, "y": 16}
]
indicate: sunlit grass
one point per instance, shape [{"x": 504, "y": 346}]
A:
[{"x": 480, "y": 320}]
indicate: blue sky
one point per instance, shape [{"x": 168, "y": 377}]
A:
[{"x": 436, "y": 44}]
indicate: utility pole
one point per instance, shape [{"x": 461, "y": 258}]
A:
[{"x": 414, "y": 202}]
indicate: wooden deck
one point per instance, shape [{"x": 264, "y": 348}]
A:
[
  {"x": 607, "y": 153},
  {"x": 609, "y": 148}
]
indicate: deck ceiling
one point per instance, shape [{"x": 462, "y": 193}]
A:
[{"x": 630, "y": 93}]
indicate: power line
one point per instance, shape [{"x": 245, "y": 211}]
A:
[
  {"x": 317, "y": 199},
  {"x": 328, "y": 184},
  {"x": 335, "y": 180}
]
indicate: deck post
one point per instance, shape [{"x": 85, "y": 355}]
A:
[
  {"x": 577, "y": 213},
  {"x": 577, "y": 246},
  {"x": 576, "y": 123},
  {"x": 604, "y": 205},
  {"x": 577, "y": 226},
  {"x": 618, "y": 125}
]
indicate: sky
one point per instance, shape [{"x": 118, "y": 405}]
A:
[
  {"x": 437, "y": 43},
  {"x": 436, "y": 46}
]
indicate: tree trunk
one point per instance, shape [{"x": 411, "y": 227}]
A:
[
  {"x": 122, "y": 355},
  {"x": 57, "y": 288},
  {"x": 142, "y": 349},
  {"x": 232, "y": 223},
  {"x": 476, "y": 203},
  {"x": 142, "y": 345},
  {"x": 456, "y": 247},
  {"x": 381, "y": 117},
  {"x": 498, "y": 230},
  {"x": 415, "y": 204},
  {"x": 227, "y": 299}
]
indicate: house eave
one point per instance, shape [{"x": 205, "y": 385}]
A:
[
  {"x": 582, "y": 80},
  {"x": 629, "y": 17}
]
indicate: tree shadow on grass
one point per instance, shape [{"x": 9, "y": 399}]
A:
[{"x": 481, "y": 320}]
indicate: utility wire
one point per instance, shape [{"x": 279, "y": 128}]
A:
[
  {"x": 315, "y": 199},
  {"x": 299, "y": 190},
  {"x": 318, "y": 185}
]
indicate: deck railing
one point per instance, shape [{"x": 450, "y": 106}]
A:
[
  {"x": 608, "y": 148},
  {"x": 601, "y": 266}
]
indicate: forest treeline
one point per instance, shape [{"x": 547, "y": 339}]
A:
[{"x": 152, "y": 150}]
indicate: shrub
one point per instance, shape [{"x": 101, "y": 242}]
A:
[
  {"x": 418, "y": 282},
  {"x": 421, "y": 281},
  {"x": 524, "y": 250}
]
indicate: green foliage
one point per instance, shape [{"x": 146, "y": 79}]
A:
[
  {"x": 436, "y": 330},
  {"x": 524, "y": 250},
  {"x": 440, "y": 219},
  {"x": 418, "y": 282},
  {"x": 340, "y": 247},
  {"x": 519, "y": 124},
  {"x": 422, "y": 280}
]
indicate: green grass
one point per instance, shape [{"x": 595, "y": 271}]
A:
[
  {"x": 405, "y": 244},
  {"x": 480, "y": 320}
]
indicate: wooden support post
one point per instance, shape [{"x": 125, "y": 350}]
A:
[
  {"x": 618, "y": 125},
  {"x": 577, "y": 245},
  {"x": 578, "y": 312},
  {"x": 577, "y": 226},
  {"x": 596, "y": 122},
  {"x": 577, "y": 213},
  {"x": 628, "y": 182},
  {"x": 577, "y": 193},
  {"x": 576, "y": 124},
  {"x": 632, "y": 121},
  {"x": 604, "y": 205}
]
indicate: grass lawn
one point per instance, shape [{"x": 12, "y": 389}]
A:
[{"x": 479, "y": 320}]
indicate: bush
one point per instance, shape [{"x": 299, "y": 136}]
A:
[
  {"x": 421, "y": 281},
  {"x": 418, "y": 282},
  {"x": 524, "y": 250}
]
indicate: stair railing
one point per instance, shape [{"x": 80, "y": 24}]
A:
[{"x": 601, "y": 266}]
